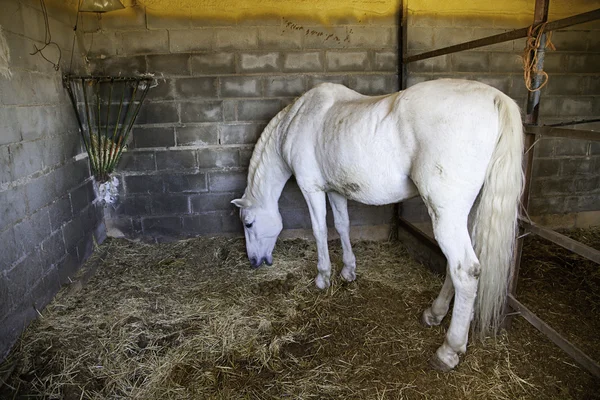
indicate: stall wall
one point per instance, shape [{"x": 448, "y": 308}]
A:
[
  {"x": 223, "y": 71},
  {"x": 47, "y": 212}
]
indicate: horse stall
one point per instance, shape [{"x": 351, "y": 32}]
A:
[{"x": 143, "y": 160}]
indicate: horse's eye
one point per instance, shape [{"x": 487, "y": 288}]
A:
[{"x": 249, "y": 225}]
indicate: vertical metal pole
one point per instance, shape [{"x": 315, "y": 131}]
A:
[{"x": 533, "y": 107}]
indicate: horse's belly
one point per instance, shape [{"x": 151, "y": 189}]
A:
[{"x": 374, "y": 189}]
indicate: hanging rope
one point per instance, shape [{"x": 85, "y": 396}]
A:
[
  {"x": 530, "y": 55},
  {"x": 47, "y": 40}
]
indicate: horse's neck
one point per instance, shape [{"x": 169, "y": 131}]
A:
[{"x": 269, "y": 173}]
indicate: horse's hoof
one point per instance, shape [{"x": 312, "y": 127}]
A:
[
  {"x": 438, "y": 364},
  {"x": 348, "y": 274},
  {"x": 321, "y": 282},
  {"x": 428, "y": 319}
]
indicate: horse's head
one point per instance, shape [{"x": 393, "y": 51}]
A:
[{"x": 262, "y": 226}]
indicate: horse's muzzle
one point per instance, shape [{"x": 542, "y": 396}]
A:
[{"x": 256, "y": 262}]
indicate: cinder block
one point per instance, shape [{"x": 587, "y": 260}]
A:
[
  {"x": 571, "y": 147},
  {"x": 23, "y": 277},
  {"x": 202, "y": 224},
  {"x": 126, "y": 18},
  {"x": 283, "y": 86},
  {"x": 165, "y": 90},
  {"x": 26, "y": 158},
  {"x": 241, "y": 86},
  {"x": 143, "y": 184},
  {"x": 347, "y": 61},
  {"x": 175, "y": 159},
  {"x": 169, "y": 64},
  {"x": 314, "y": 80},
  {"x": 420, "y": 39},
  {"x": 119, "y": 66},
  {"x": 292, "y": 198},
  {"x": 374, "y": 84},
  {"x": 218, "y": 158},
  {"x": 201, "y": 111},
  {"x": 588, "y": 203},
  {"x": 501, "y": 83},
  {"x": 370, "y": 215},
  {"x": 587, "y": 185},
  {"x": 230, "y": 110},
  {"x": 143, "y": 42},
  {"x": 259, "y": 62},
  {"x": 303, "y": 62},
  {"x": 169, "y": 204},
  {"x": 80, "y": 197},
  {"x": 162, "y": 227},
  {"x": 570, "y": 40},
  {"x": 68, "y": 267},
  {"x": 198, "y": 135},
  {"x": 133, "y": 206},
  {"x": 227, "y": 181},
  {"x": 240, "y": 133},
  {"x": 153, "y": 137},
  {"x": 13, "y": 206},
  {"x": 157, "y": 113},
  {"x": 186, "y": 183},
  {"x": 101, "y": 44},
  {"x": 72, "y": 232},
  {"x": 30, "y": 232},
  {"x": 576, "y": 107},
  {"x": 295, "y": 219},
  {"x": 365, "y": 37},
  {"x": 60, "y": 212},
  {"x": 54, "y": 153},
  {"x": 213, "y": 64},
  {"x": 577, "y": 166},
  {"x": 386, "y": 61},
  {"x": 5, "y": 166},
  {"x": 40, "y": 192},
  {"x": 279, "y": 38},
  {"x": 557, "y": 63},
  {"x": 506, "y": 62},
  {"x": 190, "y": 88},
  {"x": 486, "y": 31},
  {"x": 85, "y": 247},
  {"x": 213, "y": 202},
  {"x": 231, "y": 223},
  {"x": 8, "y": 256},
  {"x": 137, "y": 161},
  {"x": 245, "y": 156},
  {"x": 322, "y": 37},
  {"x": 546, "y": 167},
  {"x": 236, "y": 38},
  {"x": 52, "y": 250},
  {"x": 184, "y": 41},
  {"x": 470, "y": 62},
  {"x": 258, "y": 110}
]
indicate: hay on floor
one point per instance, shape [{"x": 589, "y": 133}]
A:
[{"x": 191, "y": 320}]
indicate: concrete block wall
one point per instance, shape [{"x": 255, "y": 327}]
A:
[
  {"x": 47, "y": 212},
  {"x": 219, "y": 83},
  {"x": 566, "y": 172}
]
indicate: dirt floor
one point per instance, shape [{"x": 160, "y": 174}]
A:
[{"x": 191, "y": 320}]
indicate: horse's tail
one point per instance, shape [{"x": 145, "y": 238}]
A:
[{"x": 495, "y": 221}]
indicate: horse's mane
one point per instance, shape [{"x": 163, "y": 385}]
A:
[{"x": 259, "y": 155}]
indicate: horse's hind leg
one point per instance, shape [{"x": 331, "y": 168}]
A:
[
  {"x": 450, "y": 229},
  {"x": 438, "y": 310},
  {"x": 339, "y": 205}
]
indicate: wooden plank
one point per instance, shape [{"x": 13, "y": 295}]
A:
[
  {"x": 507, "y": 36},
  {"x": 422, "y": 247},
  {"x": 563, "y": 241},
  {"x": 563, "y": 132},
  {"x": 579, "y": 356}
]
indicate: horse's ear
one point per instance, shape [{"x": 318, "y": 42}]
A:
[{"x": 242, "y": 203}]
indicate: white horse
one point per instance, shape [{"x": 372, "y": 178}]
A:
[{"x": 450, "y": 141}]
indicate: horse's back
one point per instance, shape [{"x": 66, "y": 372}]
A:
[{"x": 368, "y": 148}]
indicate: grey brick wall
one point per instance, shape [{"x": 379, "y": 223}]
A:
[
  {"x": 218, "y": 86},
  {"x": 47, "y": 213},
  {"x": 566, "y": 172}
]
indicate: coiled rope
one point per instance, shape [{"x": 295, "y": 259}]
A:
[{"x": 530, "y": 55}]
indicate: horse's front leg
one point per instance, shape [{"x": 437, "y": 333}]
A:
[
  {"x": 318, "y": 214},
  {"x": 339, "y": 205}
]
